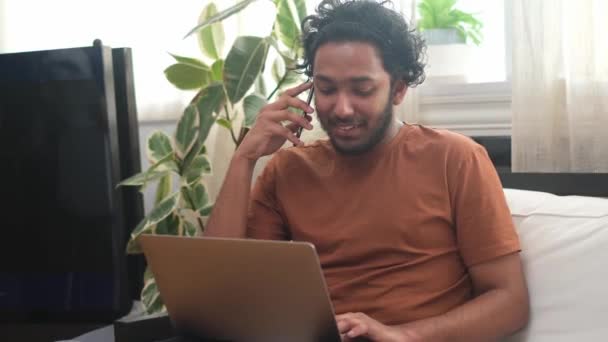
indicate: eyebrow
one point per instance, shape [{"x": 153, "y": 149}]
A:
[{"x": 356, "y": 79}]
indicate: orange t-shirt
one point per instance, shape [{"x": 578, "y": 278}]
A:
[{"x": 396, "y": 228}]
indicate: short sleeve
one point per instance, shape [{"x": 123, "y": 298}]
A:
[
  {"x": 483, "y": 223},
  {"x": 264, "y": 219}
]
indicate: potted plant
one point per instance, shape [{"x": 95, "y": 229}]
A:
[
  {"x": 230, "y": 90},
  {"x": 448, "y": 33}
]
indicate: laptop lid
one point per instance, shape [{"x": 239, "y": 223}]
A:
[{"x": 241, "y": 289}]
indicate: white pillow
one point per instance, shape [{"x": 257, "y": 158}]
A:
[{"x": 565, "y": 256}]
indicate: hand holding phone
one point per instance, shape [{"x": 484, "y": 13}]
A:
[
  {"x": 276, "y": 122},
  {"x": 308, "y": 101}
]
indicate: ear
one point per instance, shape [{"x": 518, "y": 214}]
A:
[{"x": 399, "y": 92}]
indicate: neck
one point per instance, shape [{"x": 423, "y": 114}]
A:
[
  {"x": 392, "y": 131},
  {"x": 390, "y": 134}
]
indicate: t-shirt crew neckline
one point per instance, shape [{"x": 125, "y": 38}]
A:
[{"x": 378, "y": 150}]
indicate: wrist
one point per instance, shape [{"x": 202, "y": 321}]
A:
[
  {"x": 409, "y": 333},
  {"x": 242, "y": 159}
]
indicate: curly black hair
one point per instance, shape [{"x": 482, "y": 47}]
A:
[{"x": 401, "y": 48}]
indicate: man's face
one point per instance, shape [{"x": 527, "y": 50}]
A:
[{"x": 353, "y": 96}]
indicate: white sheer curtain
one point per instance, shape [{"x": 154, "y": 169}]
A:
[{"x": 560, "y": 86}]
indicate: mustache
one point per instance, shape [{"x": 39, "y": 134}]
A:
[{"x": 335, "y": 120}]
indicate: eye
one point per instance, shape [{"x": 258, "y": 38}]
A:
[
  {"x": 364, "y": 91},
  {"x": 325, "y": 90}
]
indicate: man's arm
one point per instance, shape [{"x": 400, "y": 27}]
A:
[
  {"x": 500, "y": 308},
  {"x": 229, "y": 215}
]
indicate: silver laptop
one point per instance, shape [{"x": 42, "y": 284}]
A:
[{"x": 242, "y": 290}]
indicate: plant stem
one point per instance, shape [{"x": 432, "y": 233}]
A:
[
  {"x": 234, "y": 139},
  {"x": 278, "y": 85}
]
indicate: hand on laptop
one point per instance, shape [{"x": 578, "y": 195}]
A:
[
  {"x": 268, "y": 134},
  {"x": 355, "y": 326}
]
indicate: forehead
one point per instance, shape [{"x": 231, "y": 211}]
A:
[{"x": 342, "y": 61}]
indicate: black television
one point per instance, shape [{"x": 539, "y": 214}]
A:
[{"x": 68, "y": 135}]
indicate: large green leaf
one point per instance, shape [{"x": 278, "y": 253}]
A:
[
  {"x": 150, "y": 298},
  {"x": 206, "y": 211},
  {"x": 191, "y": 61},
  {"x": 287, "y": 23},
  {"x": 187, "y": 76},
  {"x": 211, "y": 38},
  {"x": 280, "y": 72},
  {"x": 287, "y": 55},
  {"x": 217, "y": 70},
  {"x": 301, "y": 10},
  {"x": 133, "y": 246},
  {"x": 190, "y": 229},
  {"x": 163, "y": 209},
  {"x": 157, "y": 214},
  {"x": 252, "y": 105},
  {"x": 148, "y": 275},
  {"x": 167, "y": 163},
  {"x": 260, "y": 85},
  {"x": 159, "y": 146},
  {"x": 148, "y": 223},
  {"x": 199, "y": 166},
  {"x": 186, "y": 129},
  {"x": 143, "y": 177},
  {"x": 243, "y": 65},
  {"x": 164, "y": 188},
  {"x": 221, "y": 16},
  {"x": 198, "y": 195},
  {"x": 208, "y": 101},
  {"x": 224, "y": 123},
  {"x": 170, "y": 225}
]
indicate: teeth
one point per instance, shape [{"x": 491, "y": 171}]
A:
[{"x": 346, "y": 128}]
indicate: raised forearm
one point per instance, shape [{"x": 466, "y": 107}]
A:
[
  {"x": 229, "y": 216},
  {"x": 488, "y": 317}
]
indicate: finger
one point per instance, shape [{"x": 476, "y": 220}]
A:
[
  {"x": 360, "y": 329},
  {"x": 293, "y": 127},
  {"x": 287, "y": 134},
  {"x": 287, "y": 115},
  {"x": 286, "y": 101},
  {"x": 297, "y": 103},
  {"x": 345, "y": 316},
  {"x": 297, "y": 90},
  {"x": 344, "y": 326}
]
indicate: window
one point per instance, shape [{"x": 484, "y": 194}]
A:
[{"x": 488, "y": 61}]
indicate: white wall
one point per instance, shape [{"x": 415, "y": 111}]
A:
[{"x": 2, "y": 24}]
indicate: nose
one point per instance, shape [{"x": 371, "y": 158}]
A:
[{"x": 343, "y": 107}]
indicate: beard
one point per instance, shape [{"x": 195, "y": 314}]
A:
[{"x": 368, "y": 141}]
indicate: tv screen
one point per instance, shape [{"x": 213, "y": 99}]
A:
[{"x": 62, "y": 233}]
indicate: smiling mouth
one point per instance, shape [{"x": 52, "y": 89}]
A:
[
  {"x": 349, "y": 130},
  {"x": 346, "y": 127}
]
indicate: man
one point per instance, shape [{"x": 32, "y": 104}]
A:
[{"x": 410, "y": 223}]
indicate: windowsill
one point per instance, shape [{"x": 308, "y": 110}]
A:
[
  {"x": 474, "y": 109},
  {"x": 467, "y": 93}
]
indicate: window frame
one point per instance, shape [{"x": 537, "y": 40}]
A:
[{"x": 489, "y": 103}]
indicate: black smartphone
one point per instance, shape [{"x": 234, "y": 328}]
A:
[{"x": 311, "y": 93}]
